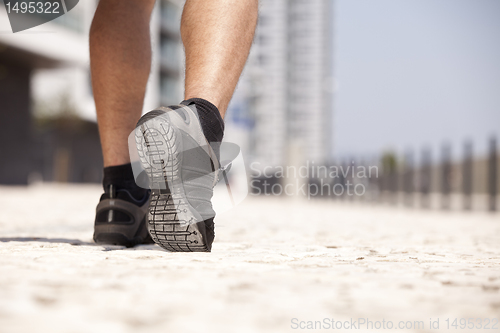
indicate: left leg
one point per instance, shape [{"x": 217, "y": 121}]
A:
[{"x": 120, "y": 61}]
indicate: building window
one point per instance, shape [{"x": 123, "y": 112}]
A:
[
  {"x": 170, "y": 53},
  {"x": 170, "y": 16}
]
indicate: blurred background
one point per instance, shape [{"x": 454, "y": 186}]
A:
[{"x": 410, "y": 87}]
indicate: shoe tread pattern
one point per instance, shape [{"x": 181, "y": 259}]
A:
[{"x": 159, "y": 149}]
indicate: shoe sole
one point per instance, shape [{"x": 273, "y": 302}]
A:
[
  {"x": 108, "y": 237},
  {"x": 171, "y": 219}
]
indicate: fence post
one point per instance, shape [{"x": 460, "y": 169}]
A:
[
  {"x": 492, "y": 175},
  {"x": 467, "y": 173},
  {"x": 446, "y": 176},
  {"x": 408, "y": 178},
  {"x": 390, "y": 172},
  {"x": 425, "y": 178}
]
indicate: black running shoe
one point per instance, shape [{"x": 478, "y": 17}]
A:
[
  {"x": 121, "y": 219},
  {"x": 182, "y": 169}
]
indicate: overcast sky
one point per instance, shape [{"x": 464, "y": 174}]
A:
[{"x": 416, "y": 72}]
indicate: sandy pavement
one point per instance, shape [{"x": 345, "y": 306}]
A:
[{"x": 274, "y": 260}]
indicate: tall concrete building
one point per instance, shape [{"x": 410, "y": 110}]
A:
[
  {"x": 59, "y": 47},
  {"x": 170, "y": 51},
  {"x": 310, "y": 76},
  {"x": 288, "y": 81}
]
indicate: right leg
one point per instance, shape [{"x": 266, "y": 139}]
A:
[{"x": 217, "y": 36}]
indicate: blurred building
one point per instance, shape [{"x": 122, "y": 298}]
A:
[
  {"x": 61, "y": 43},
  {"x": 283, "y": 99},
  {"x": 47, "y": 114},
  {"x": 288, "y": 82}
]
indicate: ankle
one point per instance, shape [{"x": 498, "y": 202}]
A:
[
  {"x": 122, "y": 178},
  {"x": 211, "y": 120}
]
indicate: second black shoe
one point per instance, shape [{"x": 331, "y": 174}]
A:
[{"x": 121, "y": 219}]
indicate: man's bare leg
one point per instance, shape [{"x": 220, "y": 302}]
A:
[
  {"x": 120, "y": 62},
  {"x": 217, "y": 35}
]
